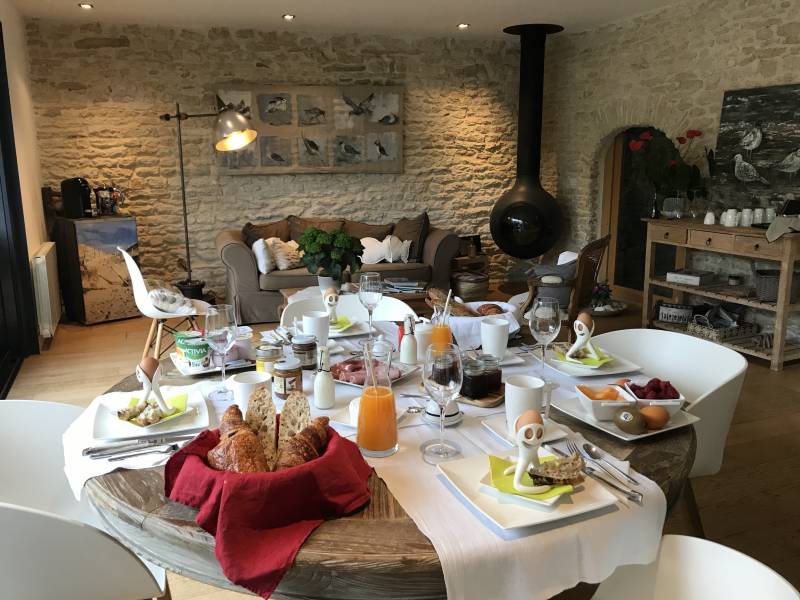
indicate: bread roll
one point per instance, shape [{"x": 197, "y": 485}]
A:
[
  {"x": 261, "y": 419},
  {"x": 295, "y": 416},
  {"x": 306, "y": 445},
  {"x": 489, "y": 309}
]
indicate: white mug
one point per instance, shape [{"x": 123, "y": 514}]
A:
[
  {"x": 770, "y": 214},
  {"x": 422, "y": 333},
  {"x": 758, "y": 216},
  {"x": 747, "y": 217},
  {"x": 494, "y": 336},
  {"x": 317, "y": 323},
  {"x": 709, "y": 219},
  {"x": 523, "y": 392},
  {"x": 244, "y": 384}
]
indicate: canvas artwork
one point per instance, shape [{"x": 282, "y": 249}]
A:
[
  {"x": 318, "y": 129},
  {"x": 758, "y": 146}
]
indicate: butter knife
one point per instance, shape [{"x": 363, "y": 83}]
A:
[{"x": 112, "y": 448}]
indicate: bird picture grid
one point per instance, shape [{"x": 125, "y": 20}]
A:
[
  {"x": 758, "y": 146},
  {"x": 318, "y": 129}
]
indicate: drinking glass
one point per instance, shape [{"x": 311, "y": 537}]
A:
[
  {"x": 545, "y": 323},
  {"x": 221, "y": 335},
  {"x": 441, "y": 334},
  {"x": 442, "y": 376},
  {"x": 370, "y": 292},
  {"x": 376, "y": 435}
]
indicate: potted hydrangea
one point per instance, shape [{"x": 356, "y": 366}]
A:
[{"x": 327, "y": 254}]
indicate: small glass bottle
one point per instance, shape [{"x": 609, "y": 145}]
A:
[
  {"x": 491, "y": 369},
  {"x": 304, "y": 349},
  {"x": 475, "y": 384},
  {"x": 287, "y": 377}
]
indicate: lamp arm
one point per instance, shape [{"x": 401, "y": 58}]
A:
[{"x": 183, "y": 116}]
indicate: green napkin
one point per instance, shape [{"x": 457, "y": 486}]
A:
[
  {"x": 589, "y": 362},
  {"x": 505, "y": 483},
  {"x": 178, "y": 402},
  {"x": 340, "y": 324}
]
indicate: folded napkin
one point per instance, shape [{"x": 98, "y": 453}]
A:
[
  {"x": 260, "y": 520},
  {"x": 467, "y": 330}
]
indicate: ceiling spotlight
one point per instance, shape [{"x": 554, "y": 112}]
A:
[
  {"x": 288, "y": 17},
  {"x": 463, "y": 26},
  {"x": 85, "y": 6}
]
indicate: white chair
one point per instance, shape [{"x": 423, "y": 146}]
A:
[
  {"x": 51, "y": 545},
  {"x": 709, "y": 375},
  {"x": 689, "y": 568},
  {"x": 159, "y": 317},
  {"x": 388, "y": 309}
]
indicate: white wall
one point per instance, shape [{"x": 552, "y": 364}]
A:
[{"x": 24, "y": 123}]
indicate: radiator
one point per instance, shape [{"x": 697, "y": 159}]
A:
[{"x": 45, "y": 285}]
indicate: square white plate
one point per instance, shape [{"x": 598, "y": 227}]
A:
[
  {"x": 497, "y": 425},
  {"x": 572, "y": 406},
  {"x": 616, "y": 367},
  {"x": 406, "y": 372},
  {"x": 511, "y": 358},
  {"x": 188, "y": 371},
  {"x": 109, "y": 428},
  {"x": 508, "y": 511}
]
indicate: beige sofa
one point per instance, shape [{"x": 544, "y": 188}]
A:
[{"x": 257, "y": 295}]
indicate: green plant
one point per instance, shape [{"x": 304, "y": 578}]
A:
[
  {"x": 663, "y": 164},
  {"x": 329, "y": 253}
]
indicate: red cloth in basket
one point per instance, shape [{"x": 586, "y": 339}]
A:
[{"x": 260, "y": 520}]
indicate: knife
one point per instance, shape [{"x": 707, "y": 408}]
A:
[{"x": 124, "y": 446}]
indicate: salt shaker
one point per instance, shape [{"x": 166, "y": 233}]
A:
[
  {"x": 408, "y": 345},
  {"x": 324, "y": 389}
]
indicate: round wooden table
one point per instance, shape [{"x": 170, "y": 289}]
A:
[{"x": 377, "y": 552}]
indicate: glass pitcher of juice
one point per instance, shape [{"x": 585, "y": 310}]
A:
[
  {"x": 441, "y": 334},
  {"x": 377, "y": 418}
]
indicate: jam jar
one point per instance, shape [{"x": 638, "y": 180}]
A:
[
  {"x": 474, "y": 384},
  {"x": 491, "y": 369},
  {"x": 287, "y": 377},
  {"x": 304, "y": 349},
  {"x": 266, "y": 357}
]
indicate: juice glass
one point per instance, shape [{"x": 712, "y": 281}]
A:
[
  {"x": 441, "y": 335},
  {"x": 377, "y": 419}
]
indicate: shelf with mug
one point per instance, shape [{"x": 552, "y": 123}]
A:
[{"x": 720, "y": 292}]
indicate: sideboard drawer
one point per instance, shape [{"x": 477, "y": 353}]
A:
[
  {"x": 760, "y": 246},
  {"x": 708, "y": 239},
  {"x": 668, "y": 234}
]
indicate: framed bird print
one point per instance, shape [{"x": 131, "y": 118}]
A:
[
  {"x": 318, "y": 129},
  {"x": 758, "y": 145}
]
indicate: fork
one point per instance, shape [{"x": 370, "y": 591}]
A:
[{"x": 575, "y": 449}]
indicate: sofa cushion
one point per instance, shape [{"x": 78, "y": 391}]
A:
[
  {"x": 416, "y": 230},
  {"x": 565, "y": 271},
  {"x": 254, "y": 231},
  {"x": 290, "y": 278},
  {"x": 365, "y": 230},
  {"x": 297, "y": 225},
  {"x": 411, "y": 270}
]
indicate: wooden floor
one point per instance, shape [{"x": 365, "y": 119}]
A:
[{"x": 752, "y": 505}]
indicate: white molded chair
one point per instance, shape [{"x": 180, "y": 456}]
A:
[
  {"x": 159, "y": 317},
  {"x": 51, "y": 545},
  {"x": 388, "y": 309},
  {"x": 689, "y": 568}
]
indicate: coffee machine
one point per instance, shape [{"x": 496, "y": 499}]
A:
[{"x": 76, "y": 194}]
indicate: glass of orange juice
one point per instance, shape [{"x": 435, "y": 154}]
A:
[
  {"x": 377, "y": 418},
  {"x": 441, "y": 335}
]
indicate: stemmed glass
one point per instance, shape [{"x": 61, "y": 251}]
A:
[
  {"x": 370, "y": 292},
  {"x": 221, "y": 335},
  {"x": 442, "y": 376},
  {"x": 545, "y": 323}
]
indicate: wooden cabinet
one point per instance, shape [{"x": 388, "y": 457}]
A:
[{"x": 745, "y": 242}]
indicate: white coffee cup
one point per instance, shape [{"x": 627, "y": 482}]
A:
[
  {"x": 710, "y": 218},
  {"x": 523, "y": 392},
  {"x": 422, "y": 333},
  {"x": 317, "y": 323},
  {"x": 244, "y": 384},
  {"x": 747, "y": 217},
  {"x": 494, "y": 336},
  {"x": 758, "y": 216},
  {"x": 770, "y": 214}
]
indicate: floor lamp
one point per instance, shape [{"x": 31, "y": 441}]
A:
[{"x": 232, "y": 131}]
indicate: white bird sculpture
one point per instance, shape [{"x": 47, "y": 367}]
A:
[
  {"x": 529, "y": 428},
  {"x": 790, "y": 164},
  {"x": 584, "y": 328},
  {"x": 745, "y": 172},
  {"x": 751, "y": 138}
]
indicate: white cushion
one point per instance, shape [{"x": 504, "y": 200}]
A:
[
  {"x": 374, "y": 251},
  {"x": 263, "y": 256},
  {"x": 396, "y": 249},
  {"x": 286, "y": 255},
  {"x": 170, "y": 300}
]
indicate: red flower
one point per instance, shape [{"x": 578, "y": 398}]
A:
[
  {"x": 693, "y": 133},
  {"x": 645, "y": 135},
  {"x": 635, "y": 145},
  {"x": 681, "y": 139},
  {"x": 672, "y": 163}
]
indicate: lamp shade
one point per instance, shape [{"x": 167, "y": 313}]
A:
[{"x": 232, "y": 131}]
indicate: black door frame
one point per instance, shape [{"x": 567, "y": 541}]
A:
[{"x": 17, "y": 301}]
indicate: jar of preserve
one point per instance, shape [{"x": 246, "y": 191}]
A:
[
  {"x": 304, "y": 349},
  {"x": 474, "y": 384},
  {"x": 287, "y": 377},
  {"x": 492, "y": 371},
  {"x": 266, "y": 357}
]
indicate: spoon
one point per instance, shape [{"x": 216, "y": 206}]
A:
[{"x": 596, "y": 454}]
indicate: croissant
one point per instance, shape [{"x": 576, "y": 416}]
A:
[
  {"x": 239, "y": 452},
  {"x": 489, "y": 309},
  {"x": 231, "y": 421},
  {"x": 305, "y": 445}
]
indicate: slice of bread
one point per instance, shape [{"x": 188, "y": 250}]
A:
[
  {"x": 295, "y": 416},
  {"x": 261, "y": 419}
]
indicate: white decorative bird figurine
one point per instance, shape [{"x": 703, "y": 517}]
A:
[
  {"x": 529, "y": 428},
  {"x": 745, "y": 172},
  {"x": 584, "y": 328},
  {"x": 148, "y": 372},
  {"x": 790, "y": 164},
  {"x": 751, "y": 138}
]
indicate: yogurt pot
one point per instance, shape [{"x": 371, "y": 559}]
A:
[
  {"x": 244, "y": 346},
  {"x": 192, "y": 348}
]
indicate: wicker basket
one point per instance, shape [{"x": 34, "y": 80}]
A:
[
  {"x": 700, "y": 327},
  {"x": 674, "y": 313},
  {"x": 471, "y": 286},
  {"x": 767, "y": 281}
]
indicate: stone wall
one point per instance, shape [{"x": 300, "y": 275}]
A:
[{"x": 99, "y": 89}]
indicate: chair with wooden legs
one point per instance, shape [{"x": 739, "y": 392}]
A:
[{"x": 161, "y": 319}]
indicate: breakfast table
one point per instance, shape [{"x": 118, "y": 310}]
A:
[{"x": 376, "y": 552}]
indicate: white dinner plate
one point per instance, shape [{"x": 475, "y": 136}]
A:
[
  {"x": 616, "y": 367},
  {"x": 509, "y": 511},
  {"x": 109, "y": 428},
  {"x": 572, "y": 406},
  {"x": 188, "y": 371},
  {"x": 497, "y": 425}
]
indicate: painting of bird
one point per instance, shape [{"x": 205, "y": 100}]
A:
[
  {"x": 277, "y": 157},
  {"x": 277, "y": 104},
  {"x": 389, "y": 119},
  {"x": 359, "y": 108},
  {"x": 381, "y": 150},
  {"x": 790, "y": 164},
  {"x": 348, "y": 150},
  {"x": 752, "y": 138},
  {"x": 313, "y": 116},
  {"x": 312, "y": 147},
  {"x": 745, "y": 172}
]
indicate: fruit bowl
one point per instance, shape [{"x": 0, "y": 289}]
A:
[
  {"x": 656, "y": 393},
  {"x": 600, "y": 408}
]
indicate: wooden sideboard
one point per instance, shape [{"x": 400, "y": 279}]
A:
[{"x": 744, "y": 242}]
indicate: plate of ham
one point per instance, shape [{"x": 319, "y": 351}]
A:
[{"x": 353, "y": 372}]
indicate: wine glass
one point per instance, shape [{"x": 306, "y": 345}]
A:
[
  {"x": 221, "y": 335},
  {"x": 442, "y": 376},
  {"x": 545, "y": 323},
  {"x": 370, "y": 292}
]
